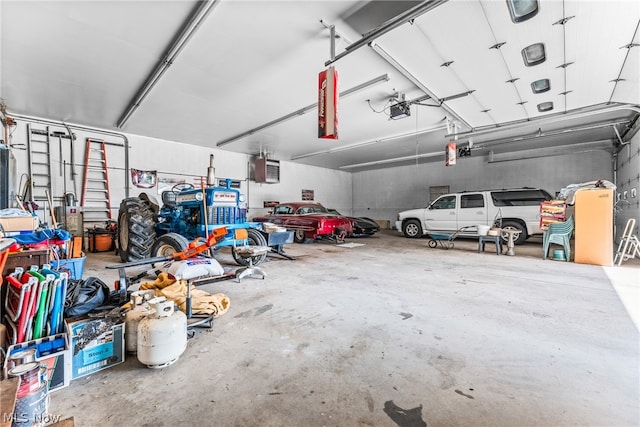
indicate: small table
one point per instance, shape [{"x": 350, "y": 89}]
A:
[
  {"x": 497, "y": 240},
  {"x": 510, "y": 244}
]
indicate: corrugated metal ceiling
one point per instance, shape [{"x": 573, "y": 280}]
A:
[{"x": 251, "y": 62}]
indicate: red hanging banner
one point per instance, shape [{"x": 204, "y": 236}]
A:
[
  {"x": 328, "y": 104},
  {"x": 450, "y": 154}
]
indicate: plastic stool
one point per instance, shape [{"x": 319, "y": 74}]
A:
[{"x": 497, "y": 240}]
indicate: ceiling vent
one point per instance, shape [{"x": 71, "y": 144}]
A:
[{"x": 267, "y": 170}]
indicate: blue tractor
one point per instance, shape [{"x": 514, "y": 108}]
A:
[{"x": 145, "y": 230}]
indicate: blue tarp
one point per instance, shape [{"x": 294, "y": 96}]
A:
[{"x": 41, "y": 236}]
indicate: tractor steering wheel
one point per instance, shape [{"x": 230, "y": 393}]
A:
[{"x": 182, "y": 186}]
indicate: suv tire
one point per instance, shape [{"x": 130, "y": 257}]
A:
[
  {"x": 518, "y": 239},
  {"x": 412, "y": 229}
]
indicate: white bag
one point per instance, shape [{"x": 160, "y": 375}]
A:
[{"x": 195, "y": 267}]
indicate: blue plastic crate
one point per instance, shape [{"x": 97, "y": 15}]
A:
[{"x": 74, "y": 266}]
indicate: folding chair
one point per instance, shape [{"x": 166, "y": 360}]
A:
[{"x": 560, "y": 234}]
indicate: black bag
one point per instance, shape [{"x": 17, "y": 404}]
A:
[{"x": 84, "y": 296}]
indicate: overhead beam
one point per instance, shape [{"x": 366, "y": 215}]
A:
[
  {"x": 578, "y": 113},
  {"x": 303, "y": 110},
  {"x": 550, "y": 134},
  {"x": 395, "y": 22}
]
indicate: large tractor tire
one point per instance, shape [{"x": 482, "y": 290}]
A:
[
  {"x": 136, "y": 229},
  {"x": 255, "y": 239}
]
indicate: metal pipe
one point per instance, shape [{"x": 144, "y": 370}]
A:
[
  {"x": 622, "y": 144},
  {"x": 72, "y": 159},
  {"x": 87, "y": 129},
  {"x": 332, "y": 47},
  {"x": 200, "y": 13},
  {"x": 576, "y": 114},
  {"x": 211, "y": 172},
  {"x": 546, "y": 155},
  {"x": 391, "y": 24},
  {"x": 363, "y": 144},
  {"x": 547, "y": 134},
  {"x": 303, "y": 110},
  {"x": 395, "y": 160}
]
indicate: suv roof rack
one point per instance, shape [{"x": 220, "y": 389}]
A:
[{"x": 499, "y": 189}]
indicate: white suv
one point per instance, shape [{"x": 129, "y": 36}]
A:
[{"x": 516, "y": 209}]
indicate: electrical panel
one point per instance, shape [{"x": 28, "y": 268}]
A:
[{"x": 267, "y": 171}]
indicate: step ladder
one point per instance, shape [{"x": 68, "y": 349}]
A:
[
  {"x": 96, "y": 199},
  {"x": 629, "y": 246},
  {"x": 40, "y": 182}
]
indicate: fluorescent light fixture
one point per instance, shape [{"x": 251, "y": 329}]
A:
[
  {"x": 394, "y": 160},
  {"x": 521, "y": 10},
  {"x": 303, "y": 110},
  {"x": 375, "y": 141},
  {"x": 534, "y": 54},
  {"x": 540, "y": 86}
]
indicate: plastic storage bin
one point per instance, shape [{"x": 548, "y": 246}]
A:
[{"x": 74, "y": 266}]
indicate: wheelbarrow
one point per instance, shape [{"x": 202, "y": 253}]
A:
[{"x": 445, "y": 240}]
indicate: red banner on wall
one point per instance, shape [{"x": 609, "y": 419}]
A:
[
  {"x": 450, "y": 154},
  {"x": 328, "y": 104}
]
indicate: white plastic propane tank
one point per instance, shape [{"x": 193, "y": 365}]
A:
[
  {"x": 139, "y": 309},
  {"x": 162, "y": 335}
]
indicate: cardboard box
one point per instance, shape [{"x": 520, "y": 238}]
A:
[
  {"x": 96, "y": 344},
  {"x": 54, "y": 353},
  {"x": 384, "y": 224},
  {"x": 19, "y": 223}
]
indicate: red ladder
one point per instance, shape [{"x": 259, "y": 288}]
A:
[{"x": 96, "y": 199}]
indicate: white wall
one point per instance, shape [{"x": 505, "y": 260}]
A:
[
  {"x": 331, "y": 188},
  {"x": 173, "y": 159},
  {"x": 627, "y": 179},
  {"x": 381, "y": 194}
]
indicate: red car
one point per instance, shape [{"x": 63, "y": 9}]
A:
[{"x": 309, "y": 221}]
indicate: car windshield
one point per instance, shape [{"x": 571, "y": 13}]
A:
[{"x": 311, "y": 209}]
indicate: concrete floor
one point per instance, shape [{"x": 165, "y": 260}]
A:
[{"x": 390, "y": 333}]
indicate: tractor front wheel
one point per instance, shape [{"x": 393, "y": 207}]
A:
[
  {"x": 255, "y": 238},
  {"x": 169, "y": 244}
]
